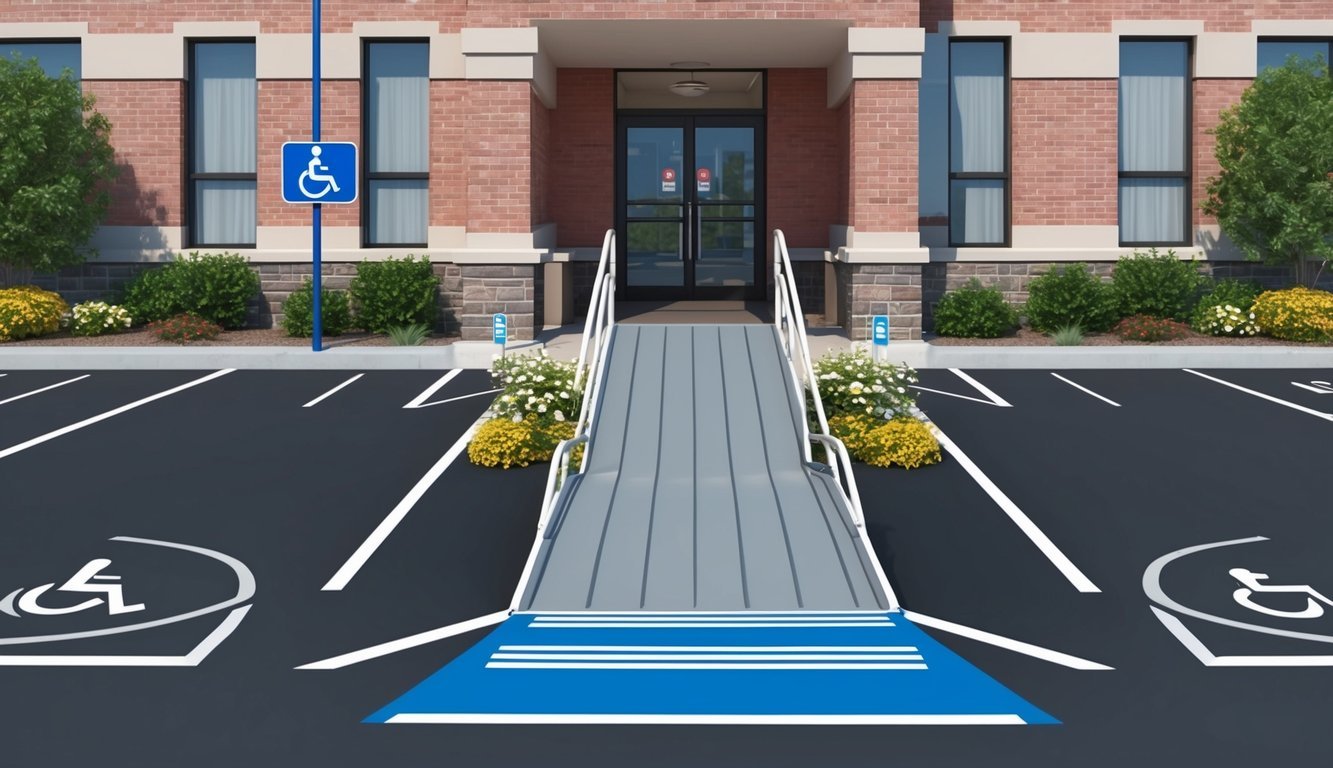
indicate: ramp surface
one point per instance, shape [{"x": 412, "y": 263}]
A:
[
  {"x": 696, "y": 495},
  {"x": 796, "y": 668}
]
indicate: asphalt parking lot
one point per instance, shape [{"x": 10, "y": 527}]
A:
[{"x": 355, "y": 528}]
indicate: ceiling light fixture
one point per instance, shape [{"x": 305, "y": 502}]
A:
[{"x": 691, "y": 87}]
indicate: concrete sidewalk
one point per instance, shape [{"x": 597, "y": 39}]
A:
[{"x": 563, "y": 343}]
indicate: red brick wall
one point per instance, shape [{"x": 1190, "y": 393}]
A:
[
  {"x": 448, "y": 163},
  {"x": 540, "y": 137},
  {"x": 1210, "y": 98},
  {"x": 1097, "y": 15},
  {"x": 284, "y": 115},
  {"x": 148, "y": 16},
  {"x": 846, "y": 198},
  {"x": 146, "y": 134},
  {"x": 581, "y": 190},
  {"x": 803, "y": 157},
  {"x": 499, "y": 156},
  {"x": 1063, "y": 151},
  {"x": 883, "y": 163}
]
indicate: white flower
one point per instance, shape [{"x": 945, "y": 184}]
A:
[
  {"x": 541, "y": 408},
  {"x": 1226, "y": 328},
  {"x": 559, "y": 416}
]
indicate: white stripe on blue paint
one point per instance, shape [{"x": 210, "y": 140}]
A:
[
  {"x": 848, "y": 657},
  {"x": 699, "y": 666}
]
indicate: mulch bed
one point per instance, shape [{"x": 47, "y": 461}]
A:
[
  {"x": 249, "y": 337},
  {"x": 1029, "y": 338}
]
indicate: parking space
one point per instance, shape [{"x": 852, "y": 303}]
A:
[{"x": 1077, "y": 508}]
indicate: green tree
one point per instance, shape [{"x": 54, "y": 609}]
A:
[
  {"x": 1274, "y": 197},
  {"x": 55, "y": 160}
]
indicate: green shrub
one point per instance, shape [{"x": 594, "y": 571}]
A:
[
  {"x": 852, "y": 383},
  {"x": 184, "y": 328},
  {"x": 298, "y": 311},
  {"x": 1070, "y": 295},
  {"x": 1225, "y": 320},
  {"x": 1149, "y": 328},
  {"x": 1158, "y": 285},
  {"x": 27, "y": 310},
  {"x": 975, "y": 312},
  {"x": 409, "y": 335},
  {"x": 1296, "y": 314},
  {"x": 536, "y": 386},
  {"x": 216, "y": 287},
  {"x": 1067, "y": 336},
  {"x": 1224, "y": 293},
  {"x": 94, "y": 318},
  {"x": 393, "y": 293}
]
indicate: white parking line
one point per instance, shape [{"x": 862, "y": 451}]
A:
[
  {"x": 994, "y": 398},
  {"x": 1071, "y": 572},
  {"x": 1000, "y": 641},
  {"x": 420, "y": 400},
  {"x": 114, "y": 412},
  {"x": 386, "y": 526},
  {"x": 1270, "y": 398},
  {"x": 322, "y": 397},
  {"x": 405, "y": 643},
  {"x": 1085, "y": 389},
  {"x": 44, "y": 389}
]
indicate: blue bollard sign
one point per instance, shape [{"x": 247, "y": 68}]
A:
[
  {"x": 880, "y": 330},
  {"x": 319, "y": 172},
  {"x": 500, "y": 328}
]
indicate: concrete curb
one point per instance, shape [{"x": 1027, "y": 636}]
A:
[{"x": 478, "y": 355}]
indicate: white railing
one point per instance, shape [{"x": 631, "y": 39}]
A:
[
  {"x": 587, "y": 373},
  {"x": 791, "y": 331}
]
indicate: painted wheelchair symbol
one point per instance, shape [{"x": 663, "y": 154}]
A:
[
  {"x": 316, "y": 171},
  {"x": 1252, "y": 585},
  {"x": 84, "y": 581}
]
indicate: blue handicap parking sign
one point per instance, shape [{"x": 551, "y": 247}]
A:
[
  {"x": 501, "y": 328},
  {"x": 319, "y": 172},
  {"x": 880, "y": 327}
]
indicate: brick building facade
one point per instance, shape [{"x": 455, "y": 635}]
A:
[{"x": 872, "y": 126}]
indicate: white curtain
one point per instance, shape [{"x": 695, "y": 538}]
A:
[
  {"x": 398, "y": 211},
  {"x": 1152, "y": 210},
  {"x": 1153, "y": 121},
  {"x": 976, "y": 141},
  {"x": 225, "y": 128}
]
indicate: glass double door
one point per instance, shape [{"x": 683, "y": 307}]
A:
[{"x": 690, "y": 211}]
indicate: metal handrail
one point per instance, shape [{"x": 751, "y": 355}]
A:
[{"x": 787, "y": 312}]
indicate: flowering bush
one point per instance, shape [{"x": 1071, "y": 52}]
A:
[
  {"x": 852, "y": 383},
  {"x": 184, "y": 328},
  {"x": 1226, "y": 320},
  {"x": 94, "y": 318},
  {"x": 1236, "y": 293},
  {"x": 504, "y": 442},
  {"x": 537, "y": 386},
  {"x": 27, "y": 310},
  {"x": 1296, "y": 314},
  {"x": 1148, "y": 328},
  {"x": 903, "y": 441}
]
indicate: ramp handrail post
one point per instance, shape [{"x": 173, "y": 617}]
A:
[{"x": 791, "y": 328}]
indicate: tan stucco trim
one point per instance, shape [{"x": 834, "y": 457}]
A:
[
  {"x": 39, "y": 30},
  {"x": 1156, "y": 28},
  {"x": 1293, "y": 28},
  {"x": 979, "y": 28},
  {"x": 1226, "y": 55},
  {"x": 1053, "y": 55},
  {"x": 215, "y": 29},
  {"x": 136, "y": 244},
  {"x": 133, "y": 57}
]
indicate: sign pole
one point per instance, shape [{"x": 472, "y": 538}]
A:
[{"x": 316, "y": 340}]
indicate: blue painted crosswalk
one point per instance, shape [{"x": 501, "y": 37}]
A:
[{"x": 752, "y": 667}]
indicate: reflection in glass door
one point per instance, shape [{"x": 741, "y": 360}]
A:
[{"x": 690, "y": 207}]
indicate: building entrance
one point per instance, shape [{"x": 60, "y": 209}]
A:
[{"x": 690, "y": 207}]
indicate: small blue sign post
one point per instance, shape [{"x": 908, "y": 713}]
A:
[
  {"x": 500, "y": 330},
  {"x": 880, "y": 330}
]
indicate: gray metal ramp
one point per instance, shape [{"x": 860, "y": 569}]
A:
[{"x": 696, "y": 494}]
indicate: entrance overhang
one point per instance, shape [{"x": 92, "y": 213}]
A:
[{"x": 723, "y": 43}]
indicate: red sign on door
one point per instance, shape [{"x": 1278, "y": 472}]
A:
[
  {"x": 703, "y": 179},
  {"x": 668, "y": 179}
]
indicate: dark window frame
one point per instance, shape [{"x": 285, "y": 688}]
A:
[
  {"x": 366, "y": 176},
  {"x": 192, "y": 176},
  {"x": 1187, "y": 174},
  {"x": 1327, "y": 41},
  {"x": 1006, "y": 176}
]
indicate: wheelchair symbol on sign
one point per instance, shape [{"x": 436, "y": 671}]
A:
[
  {"x": 317, "y": 171},
  {"x": 87, "y": 580},
  {"x": 1252, "y": 586}
]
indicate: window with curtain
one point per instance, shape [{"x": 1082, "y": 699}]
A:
[
  {"x": 1274, "y": 53},
  {"x": 1154, "y": 111},
  {"x": 223, "y": 127},
  {"x": 978, "y": 142},
  {"x": 397, "y": 130},
  {"x": 54, "y": 57}
]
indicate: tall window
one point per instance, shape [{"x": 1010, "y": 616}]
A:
[
  {"x": 1154, "y": 142},
  {"x": 978, "y": 143},
  {"x": 55, "y": 58},
  {"x": 223, "y": 124},
  {"x": 397, "y": 130},
  {"x": 1274, "y": 53}
]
